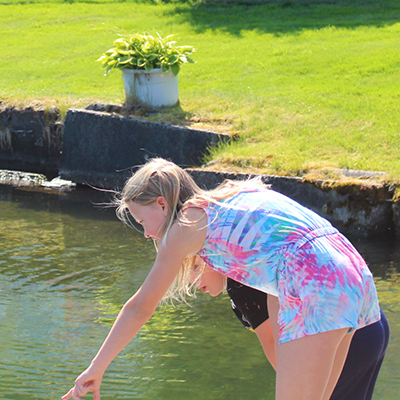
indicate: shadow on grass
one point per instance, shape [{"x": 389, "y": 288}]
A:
[
  {"x": 267, "y": 16},
  {"x": 169, "y": 115},
  {"x": 174, "y": 115},
  {"x": 286, "y": 16}
]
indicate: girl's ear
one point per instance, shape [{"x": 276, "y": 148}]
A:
[{"x": 162, "y": 202}]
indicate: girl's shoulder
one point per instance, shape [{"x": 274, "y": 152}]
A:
[
  {"x": 193, "y": 214},
  {"x": 210, "y": 205},
  {"x": 192, "y": 211}
]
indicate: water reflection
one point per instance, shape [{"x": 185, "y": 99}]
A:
[{"x": 66, "y": 267}]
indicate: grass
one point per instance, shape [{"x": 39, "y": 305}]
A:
[{"x": 304, "y": 86}]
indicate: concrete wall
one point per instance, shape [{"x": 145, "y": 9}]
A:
[
  {"x": 101, "y": 150},
  {"x": 361, "y": 210},
  {"x": 30, "y": 140}
]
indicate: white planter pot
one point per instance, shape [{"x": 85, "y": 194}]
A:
[{"x": 154, "y": 88}]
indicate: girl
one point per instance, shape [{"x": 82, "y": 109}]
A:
[
  {"x": 319, "y": 288},
  {"x": 367, "y": 349}
]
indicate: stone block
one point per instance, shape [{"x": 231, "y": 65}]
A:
[
  {"x": 102, "y": 150},
  {"x": 359, "y": 210},
  {"x": 33, "y": 142}
]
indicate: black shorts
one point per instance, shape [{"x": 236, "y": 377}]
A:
[{"x": 366, "y": 352}]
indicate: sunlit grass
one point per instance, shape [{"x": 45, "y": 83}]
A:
[{"x": 303, "y": 86}]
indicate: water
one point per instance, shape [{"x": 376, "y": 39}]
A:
[{"x": 66, "y": 268}]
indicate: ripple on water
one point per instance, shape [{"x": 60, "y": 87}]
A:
[{"x": 64, "y": 274}]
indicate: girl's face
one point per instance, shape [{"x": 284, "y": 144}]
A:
[
  {"x": 211, "y": 282},
  {"x": 152, "y": 216}
]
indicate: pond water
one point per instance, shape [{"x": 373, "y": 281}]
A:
[{"x": 66, "y": 268}]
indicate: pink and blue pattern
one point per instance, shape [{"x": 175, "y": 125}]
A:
[{"x": 267, "y": 241}]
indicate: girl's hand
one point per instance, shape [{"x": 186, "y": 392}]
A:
[{"x": 89, "y": 380}]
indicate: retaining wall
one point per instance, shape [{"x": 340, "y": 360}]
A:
[
  {"x": 101, "y": 150},
  {"x": 362, "y": 209},
  {"x": 30, "y": 140}
]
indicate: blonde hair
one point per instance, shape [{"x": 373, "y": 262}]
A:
[
  {"x": 162, "y": 178},
  {"x": 157, "y": 178}
]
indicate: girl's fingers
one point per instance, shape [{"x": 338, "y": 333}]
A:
[
  {"x": 96, "y": 394},
  {"x": 68, "y": 395},
  {"x": 82, "y": 392},
  {"x": 86, "y": 382}
]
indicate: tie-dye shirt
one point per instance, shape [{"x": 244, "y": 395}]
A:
[
  {"x": 249, "y": 235},
  {"x": 267, "y": 241}
]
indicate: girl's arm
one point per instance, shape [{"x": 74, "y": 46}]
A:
[
  {"x": 266, "y": 338},
  {"x": 250, "y": 306},
  {"x": 181, "y": 242}
]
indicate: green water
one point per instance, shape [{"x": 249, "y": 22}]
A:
[{"x": 66, "y": 268}]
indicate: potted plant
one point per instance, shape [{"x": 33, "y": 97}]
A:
[{"x": 150, "y": 65}]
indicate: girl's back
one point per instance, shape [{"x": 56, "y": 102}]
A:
[{"x": 250, "y": 233}]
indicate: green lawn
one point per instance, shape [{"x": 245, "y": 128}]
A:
[{"x": 304, "y": 84}]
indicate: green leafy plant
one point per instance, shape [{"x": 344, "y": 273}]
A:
[{"x": 146, "y": 52}]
